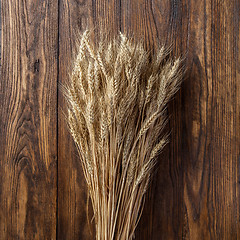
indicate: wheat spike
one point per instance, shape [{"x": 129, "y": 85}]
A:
[{"x": 117, "y": 96}]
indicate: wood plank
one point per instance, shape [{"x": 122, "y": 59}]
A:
[
  {"x": 160, "y": 22},
  {"x": 76, "y": 16},
  {"x": 28, "y": 99},
  {"x": 211, "y": 121},
  {"x": 72, "y": 191}
]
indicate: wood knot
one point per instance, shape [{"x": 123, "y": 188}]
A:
[{"x": 36, "y": 65}]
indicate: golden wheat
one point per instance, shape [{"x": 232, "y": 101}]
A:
[{"x": 117, "y": 97}]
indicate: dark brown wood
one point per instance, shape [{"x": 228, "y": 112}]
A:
[
  {"x": 72, "y": 191},
  {"x": 194, "y": 195},
  {"x": 0, "y": 35},
  {"x": 210, "y": 121},
  {"x": 160, "y": 22},
  {"x": 28, "y": 139},
  {"x": 75, "y": 16},
  {"x": 195, "y": 192}
]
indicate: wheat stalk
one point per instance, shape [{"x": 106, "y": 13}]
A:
[{"x": 117, "y": 98}]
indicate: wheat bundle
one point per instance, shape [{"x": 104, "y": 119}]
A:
[{"x": 117, "y": 97}]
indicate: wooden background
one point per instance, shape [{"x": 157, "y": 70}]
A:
[{"x": 196, "y": 191}]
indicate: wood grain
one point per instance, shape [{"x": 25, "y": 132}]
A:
[
  {"x": 194, "y": 195},
  {"x": 211, "y": 121},
  {"x": 76, "y": 16},
  {"x": 195, "y": 192},
  {"x": 72, "y": 191},
  {"x": 28, "y": 140},
  {"x": 159, "y": 22}
]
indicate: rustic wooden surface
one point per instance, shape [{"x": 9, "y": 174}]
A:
[
  {"x": 28, "y": 133},
  {"x": 195, "y": 192}
]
